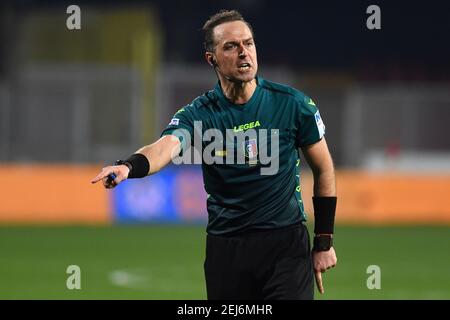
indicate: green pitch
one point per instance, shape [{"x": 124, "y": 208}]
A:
[{"x": 166, "y": 262}]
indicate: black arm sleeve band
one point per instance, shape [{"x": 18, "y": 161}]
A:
[
  {"x": 139, "y": 166},
  {"x": 324, "y": 212}
]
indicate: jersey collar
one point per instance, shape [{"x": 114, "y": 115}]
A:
[{"x": 248, "y": 104}]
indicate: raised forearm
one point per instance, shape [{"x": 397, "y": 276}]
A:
[{"x": 160, "y": 153}]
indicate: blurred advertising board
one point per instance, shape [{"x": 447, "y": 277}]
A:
[{"x": 175, "y": 194}]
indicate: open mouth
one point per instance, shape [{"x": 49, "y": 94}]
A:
[{"x": 244, "y": 66}]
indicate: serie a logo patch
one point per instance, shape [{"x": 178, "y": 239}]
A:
[
  {"x": 174, "y": 122},
  {"x": 320, "y": 124}
]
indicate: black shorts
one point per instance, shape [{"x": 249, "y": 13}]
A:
[{"x": 272, "y": 264}]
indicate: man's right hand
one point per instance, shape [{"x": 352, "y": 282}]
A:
[{"x": 121, "y": 173}]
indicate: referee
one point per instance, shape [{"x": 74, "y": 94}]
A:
[{"x": 257, "y": 245}]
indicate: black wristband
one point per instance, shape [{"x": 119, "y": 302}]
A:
[
  {"x": 322, "y": 243},
  {"x": 324, "y": 213},
  {"x": 120, "y": 162},
  {"x": 139, "y": 165}
]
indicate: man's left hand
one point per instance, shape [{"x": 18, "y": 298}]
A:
[{"x": 322, "y": 261}]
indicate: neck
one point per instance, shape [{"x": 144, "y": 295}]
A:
[{"x": 237, "y": 92}]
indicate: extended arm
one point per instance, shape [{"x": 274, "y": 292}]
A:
[{"x": 158, "y": 155}]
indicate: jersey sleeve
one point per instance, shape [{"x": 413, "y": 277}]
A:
[
  {"x": 181, "y": 126},
  {"x": 311, "y": 128}
]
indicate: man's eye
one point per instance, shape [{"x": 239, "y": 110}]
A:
[{"x": 249, "y": 44}]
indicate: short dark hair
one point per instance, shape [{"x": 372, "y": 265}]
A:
[{"x": 221, "y": 17}]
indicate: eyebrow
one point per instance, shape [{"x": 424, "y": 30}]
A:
[{"x": 234, "y": 42}]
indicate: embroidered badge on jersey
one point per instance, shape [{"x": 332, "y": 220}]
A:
[
  {"x": 251, "y": 151},
  {"x": 320, "y": 124}
]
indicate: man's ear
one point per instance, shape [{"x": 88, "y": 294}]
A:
[{"x": 210, "y": 59}]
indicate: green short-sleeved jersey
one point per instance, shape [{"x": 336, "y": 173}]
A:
[{"x": 239, "y": 196}]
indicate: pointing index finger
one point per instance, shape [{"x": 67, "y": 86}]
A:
[
  {"x": 318, "y": 275},
  {"x": 100, "y": 176}
]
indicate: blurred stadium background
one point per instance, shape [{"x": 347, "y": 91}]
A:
[{"x": 73, "y": 101}]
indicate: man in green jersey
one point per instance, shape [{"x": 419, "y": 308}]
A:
[{"x": 249, "y": 132}]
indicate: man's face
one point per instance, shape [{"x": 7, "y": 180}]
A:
[{"x": 235, "y": 51}]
